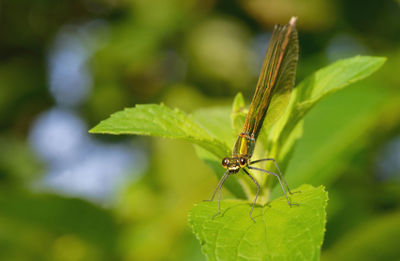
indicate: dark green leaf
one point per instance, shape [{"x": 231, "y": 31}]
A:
[
  {"x": 375, "y": 240},
  {"x": 333, "y": 136}
]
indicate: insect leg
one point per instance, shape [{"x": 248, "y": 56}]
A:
[
  {"x": 280, "y": 182},
  {"x": 277, "y": 167},
  {"x": 258, "y": 191},
  {"x": 218, "y": 186},
  {"x": 222, "y": 181}
]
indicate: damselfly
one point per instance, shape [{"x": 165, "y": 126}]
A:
[{"x": 278, "y": 72}]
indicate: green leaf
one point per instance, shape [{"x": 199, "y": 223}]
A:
[
  {"x": 216, "y": 121},
  {"x": 332, "y": 137},
  {"x": 323, "y": 82},
  {"x": 207, "y": 128},
  {"x": 284, "y": 135},
  {"x": 279, "y": 142},
  {"x": 159, "y": 120},
  {"x": 280, "y": 232},
  {"x": 338, "y": 75}
]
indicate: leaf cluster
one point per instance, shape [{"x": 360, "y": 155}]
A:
[{"x": 281, "y": 232}]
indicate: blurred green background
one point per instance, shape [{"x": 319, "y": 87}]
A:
[{"x": 65, "y": 65}]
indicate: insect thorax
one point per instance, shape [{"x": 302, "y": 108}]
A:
[{"x": 244, "y": 146}]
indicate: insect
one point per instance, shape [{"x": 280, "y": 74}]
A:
[{"x": 278, "y": 73}]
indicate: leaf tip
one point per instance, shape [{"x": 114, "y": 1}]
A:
[
  {"x": 238, "y": 103},
  {"x": 95, "y": 129},
  {"x": 382, "y": 59}
]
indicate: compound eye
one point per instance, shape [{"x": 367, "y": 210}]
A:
[
  {"x": 225, "y": 162},
  {"x": 242, "y": 161}
]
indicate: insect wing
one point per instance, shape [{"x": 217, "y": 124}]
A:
[{"x": 276, "y": 78}]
